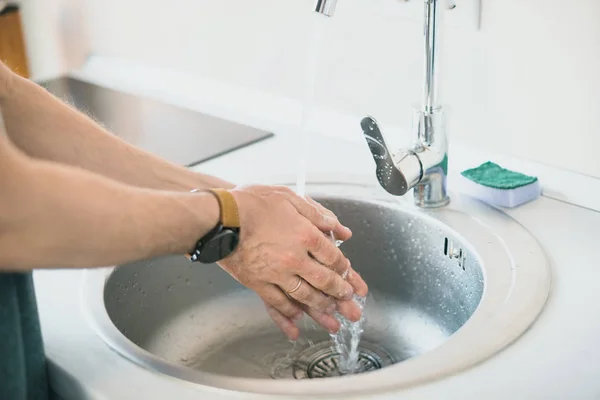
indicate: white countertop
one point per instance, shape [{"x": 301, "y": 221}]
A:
[{"x": 559, "y": 357}]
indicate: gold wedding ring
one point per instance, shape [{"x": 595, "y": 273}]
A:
[{"x": 297, "y": 286}]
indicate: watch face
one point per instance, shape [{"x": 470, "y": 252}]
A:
[{"x": 219, "y": 246}]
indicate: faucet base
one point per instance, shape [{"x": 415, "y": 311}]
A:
[
  {"x": 421, "y": 201},
  {"x": 432, "y": 149},
  {"x": 432, "y": 192}
]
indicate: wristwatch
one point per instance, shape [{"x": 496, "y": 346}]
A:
[{"x": 223, "y": 239}]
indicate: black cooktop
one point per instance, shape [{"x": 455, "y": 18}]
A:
[{"x": 177, "y": 134}]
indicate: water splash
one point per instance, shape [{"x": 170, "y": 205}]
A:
[
  {"x": 347, "y": 339},
  {"x": 282, "y": 362}
]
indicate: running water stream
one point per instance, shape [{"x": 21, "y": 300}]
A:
[
  {"x": 314, "y": 46},
  {"x": 346, "y": 340}
]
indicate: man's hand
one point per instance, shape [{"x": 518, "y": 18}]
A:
[
  {"x": 286, "y": 255},
  {"x": 277, "y": 236}
]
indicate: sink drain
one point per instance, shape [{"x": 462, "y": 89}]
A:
[{"x": 322, "y": 361}]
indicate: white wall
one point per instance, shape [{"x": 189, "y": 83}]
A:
[
  {"x": 527, "y": 84},
  {"x": 56, "y": 36}
]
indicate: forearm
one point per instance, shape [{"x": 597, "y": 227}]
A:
[
  {"x": 44, "y": 127},
  {"x": 59, "y": 216}
]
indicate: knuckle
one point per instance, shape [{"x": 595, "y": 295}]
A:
[
  {"x": 325, "y": 210},
  {"x": 318, "y": 275},
  {"x": 310, "y": 300},
  {"x": 315, "y": 213},
  {"x": 311, "y": 212},
  {"x": 285, "y": 189},
  {"x": 261, "y": 274},
  {"x": 333, "y": 257},
  {"x": 278, "y": 197},
  {"x": 319, "y": 303},
  {"x": 291, "y": 260},
  {"x": 288, "y": 310},
  {"x": 303, "y": 297},
  {"x": 269, "y": 300},
  {"x": 329, "y": 280},
  {"x": 311, "y": 240},
  {"x": 339, "y": 259},
  {"x": 278, "y": 302},
  {"x": 322, "y": 277}
]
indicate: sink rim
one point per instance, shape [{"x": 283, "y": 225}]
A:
[{"x": 512, "y": 300}]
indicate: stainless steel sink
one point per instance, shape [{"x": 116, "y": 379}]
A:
[{"x": 449, "y": 288}]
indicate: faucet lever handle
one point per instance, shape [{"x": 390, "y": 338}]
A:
[{"x": 398, "y": 173}]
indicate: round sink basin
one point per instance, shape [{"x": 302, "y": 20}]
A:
[{"x": 449, "y": 288}]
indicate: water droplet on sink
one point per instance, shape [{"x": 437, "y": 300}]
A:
[
  {"x": 169, "y": 287},
  {"x": 187, "y": 281}
]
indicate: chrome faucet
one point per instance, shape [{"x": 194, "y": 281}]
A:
[
  {"x": 423, "y": 166},
  {"x": 326, "y": 7}
]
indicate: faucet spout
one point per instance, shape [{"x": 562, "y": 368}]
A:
[
  {"x": 326, "y": 7},
  {"x": 422, "y": 167},
  {"x": 430, "y": 84}
]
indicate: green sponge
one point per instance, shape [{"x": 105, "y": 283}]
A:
[
  {"x": 494, "y": 176},
  {"x": 499, "y": 186}
]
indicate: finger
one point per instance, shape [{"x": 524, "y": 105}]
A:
[
  {"x": 326, "y": 280},
  {"x": 327, "y": 321},
  {"x": 343, "y": 268},
  {"x": 357, "y": 282},
  {"x": 302, "y": 291},
  {"x": 273, "y": 296},
  {"x": 287, "y": 325},
  {"x": 340, "y": 232},
  {"x": 349, "y": 309},
  {"x": 330, "y": 256},
  {"x": 309, "y": 211}
]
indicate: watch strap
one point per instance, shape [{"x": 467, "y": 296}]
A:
[{"x": 230, "y": 216}]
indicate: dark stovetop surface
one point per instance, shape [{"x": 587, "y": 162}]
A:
[{"x": 177, "y": 134}]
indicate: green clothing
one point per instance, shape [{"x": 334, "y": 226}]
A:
[{"x": 23, "y": 373}]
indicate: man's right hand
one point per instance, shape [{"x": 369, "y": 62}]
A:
[{"x": 285, "y": 254}]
